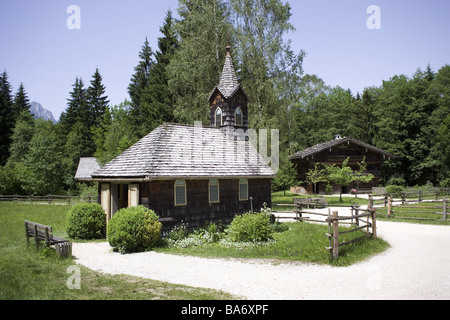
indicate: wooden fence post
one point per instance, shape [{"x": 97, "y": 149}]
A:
[
  {"x": 374, "y": 223},
  {"x": 444, "y": 208},
  {"x": 356, "y": 214},
  {"x": 299, "y": 213},
  {"x": 335, "y": 235},
  {"x": 36, "y": 240},
  {"x": 351, "y": 212},
  {"x": 369, "y": 208},
  {"x": 389, "y": 207},
  {"x": 329, "y": 229}
]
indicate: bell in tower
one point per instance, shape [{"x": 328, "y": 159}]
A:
[{"x": 228, "y": 101}]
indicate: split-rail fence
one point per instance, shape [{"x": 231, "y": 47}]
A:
[
  {"x": 49, "y": 199},
  {"x": 358, "y": 218},
  {"x": 415, "y": 208}
]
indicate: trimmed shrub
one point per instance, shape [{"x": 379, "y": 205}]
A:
[
  {"x": 134, "y": 229},
  {"x": 250, "y": 227},
  {"x": 86, "y": 221},
  {"x": 394, "y": 191}
]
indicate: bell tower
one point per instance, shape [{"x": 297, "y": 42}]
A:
[{"x": 228, "y": 101}]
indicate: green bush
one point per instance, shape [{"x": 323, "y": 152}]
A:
[
  {"x": 394, "y": 191},
  {"x": 444, "y": 183},
  {"x": 86, "y": 221},
  {"x": 134, "y": 229},
  {"x": 250, "y": 227},
  {"x": 396, "y": 181}
]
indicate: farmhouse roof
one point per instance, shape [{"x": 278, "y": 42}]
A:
[
  {"x": 186, "y": 151},
  {"x": 86, "y": 167},
  {"x": 228, "y": 83},
  {"x": 335, "y": 142}
]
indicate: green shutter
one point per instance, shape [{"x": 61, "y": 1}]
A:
[
  {"x": 243, "y": 189},
  {"x": 180, "y": 193},
  {"x": 214, "y": 191}
]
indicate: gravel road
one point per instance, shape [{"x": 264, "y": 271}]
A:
[{"x": 417, "y": 266}]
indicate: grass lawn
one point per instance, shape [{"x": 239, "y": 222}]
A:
[
  {"x": 303, "y": 241},
  {"x": 30, "y": 274}
]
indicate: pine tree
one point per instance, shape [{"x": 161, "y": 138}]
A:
[
  {"x": 21, "y": 102},
  {"x": 138, "y": 85},
  {"x": 363, "y": 118},
  {"x": 77, "y": 109},
  {"x": 75, "y": 133},
  {"x": 96, "y": 100},
  {"x": 6, "y": 118},
  {"x": 158, "y": 96}
]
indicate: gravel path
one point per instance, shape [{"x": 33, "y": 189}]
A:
[{"x": 417, "y": 266}]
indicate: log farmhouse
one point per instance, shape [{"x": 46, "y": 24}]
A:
[
  {"x": 191, "y": 173},
  {"x": 335, "y": 152}
]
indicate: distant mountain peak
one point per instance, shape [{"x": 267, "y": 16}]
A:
[{"x": 38, "y": 111}]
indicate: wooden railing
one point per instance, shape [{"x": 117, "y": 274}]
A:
[
  {"x": 415, "y": 209},
  {"x": 334, "y": 233}
]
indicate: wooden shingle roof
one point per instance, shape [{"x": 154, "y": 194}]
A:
[
  {"x": 174, "y": 151},
  {"x": 86, "y": 167},
  {"x": 333, "y": 143}
]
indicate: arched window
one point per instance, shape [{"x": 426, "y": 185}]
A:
[
  {"x": 218, "y": 117},
  {"x": 180, "y": 193},
  {"x": 238, "y": 117},
  {"x": 243, "y": 189},
  {"x": 214, "y": 196}
]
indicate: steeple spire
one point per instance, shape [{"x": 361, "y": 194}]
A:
[
  {"x": 228, "y": 83},
  {"x": 228, "y": 101}
]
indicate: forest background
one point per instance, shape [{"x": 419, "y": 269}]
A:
[{"x": 407, "y": 115}]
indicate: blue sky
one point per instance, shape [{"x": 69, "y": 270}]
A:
[{"x": 38, "y": 49}]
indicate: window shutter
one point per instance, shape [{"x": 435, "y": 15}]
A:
[
  {"x": 214, "y": 191},
  {"x": 243, "y": 190},
  {"x": 180, "y": 193}
]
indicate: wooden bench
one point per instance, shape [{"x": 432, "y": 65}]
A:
[
  {"x": 41, "y": 232},
  {"x": 314, "y": 202}
]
